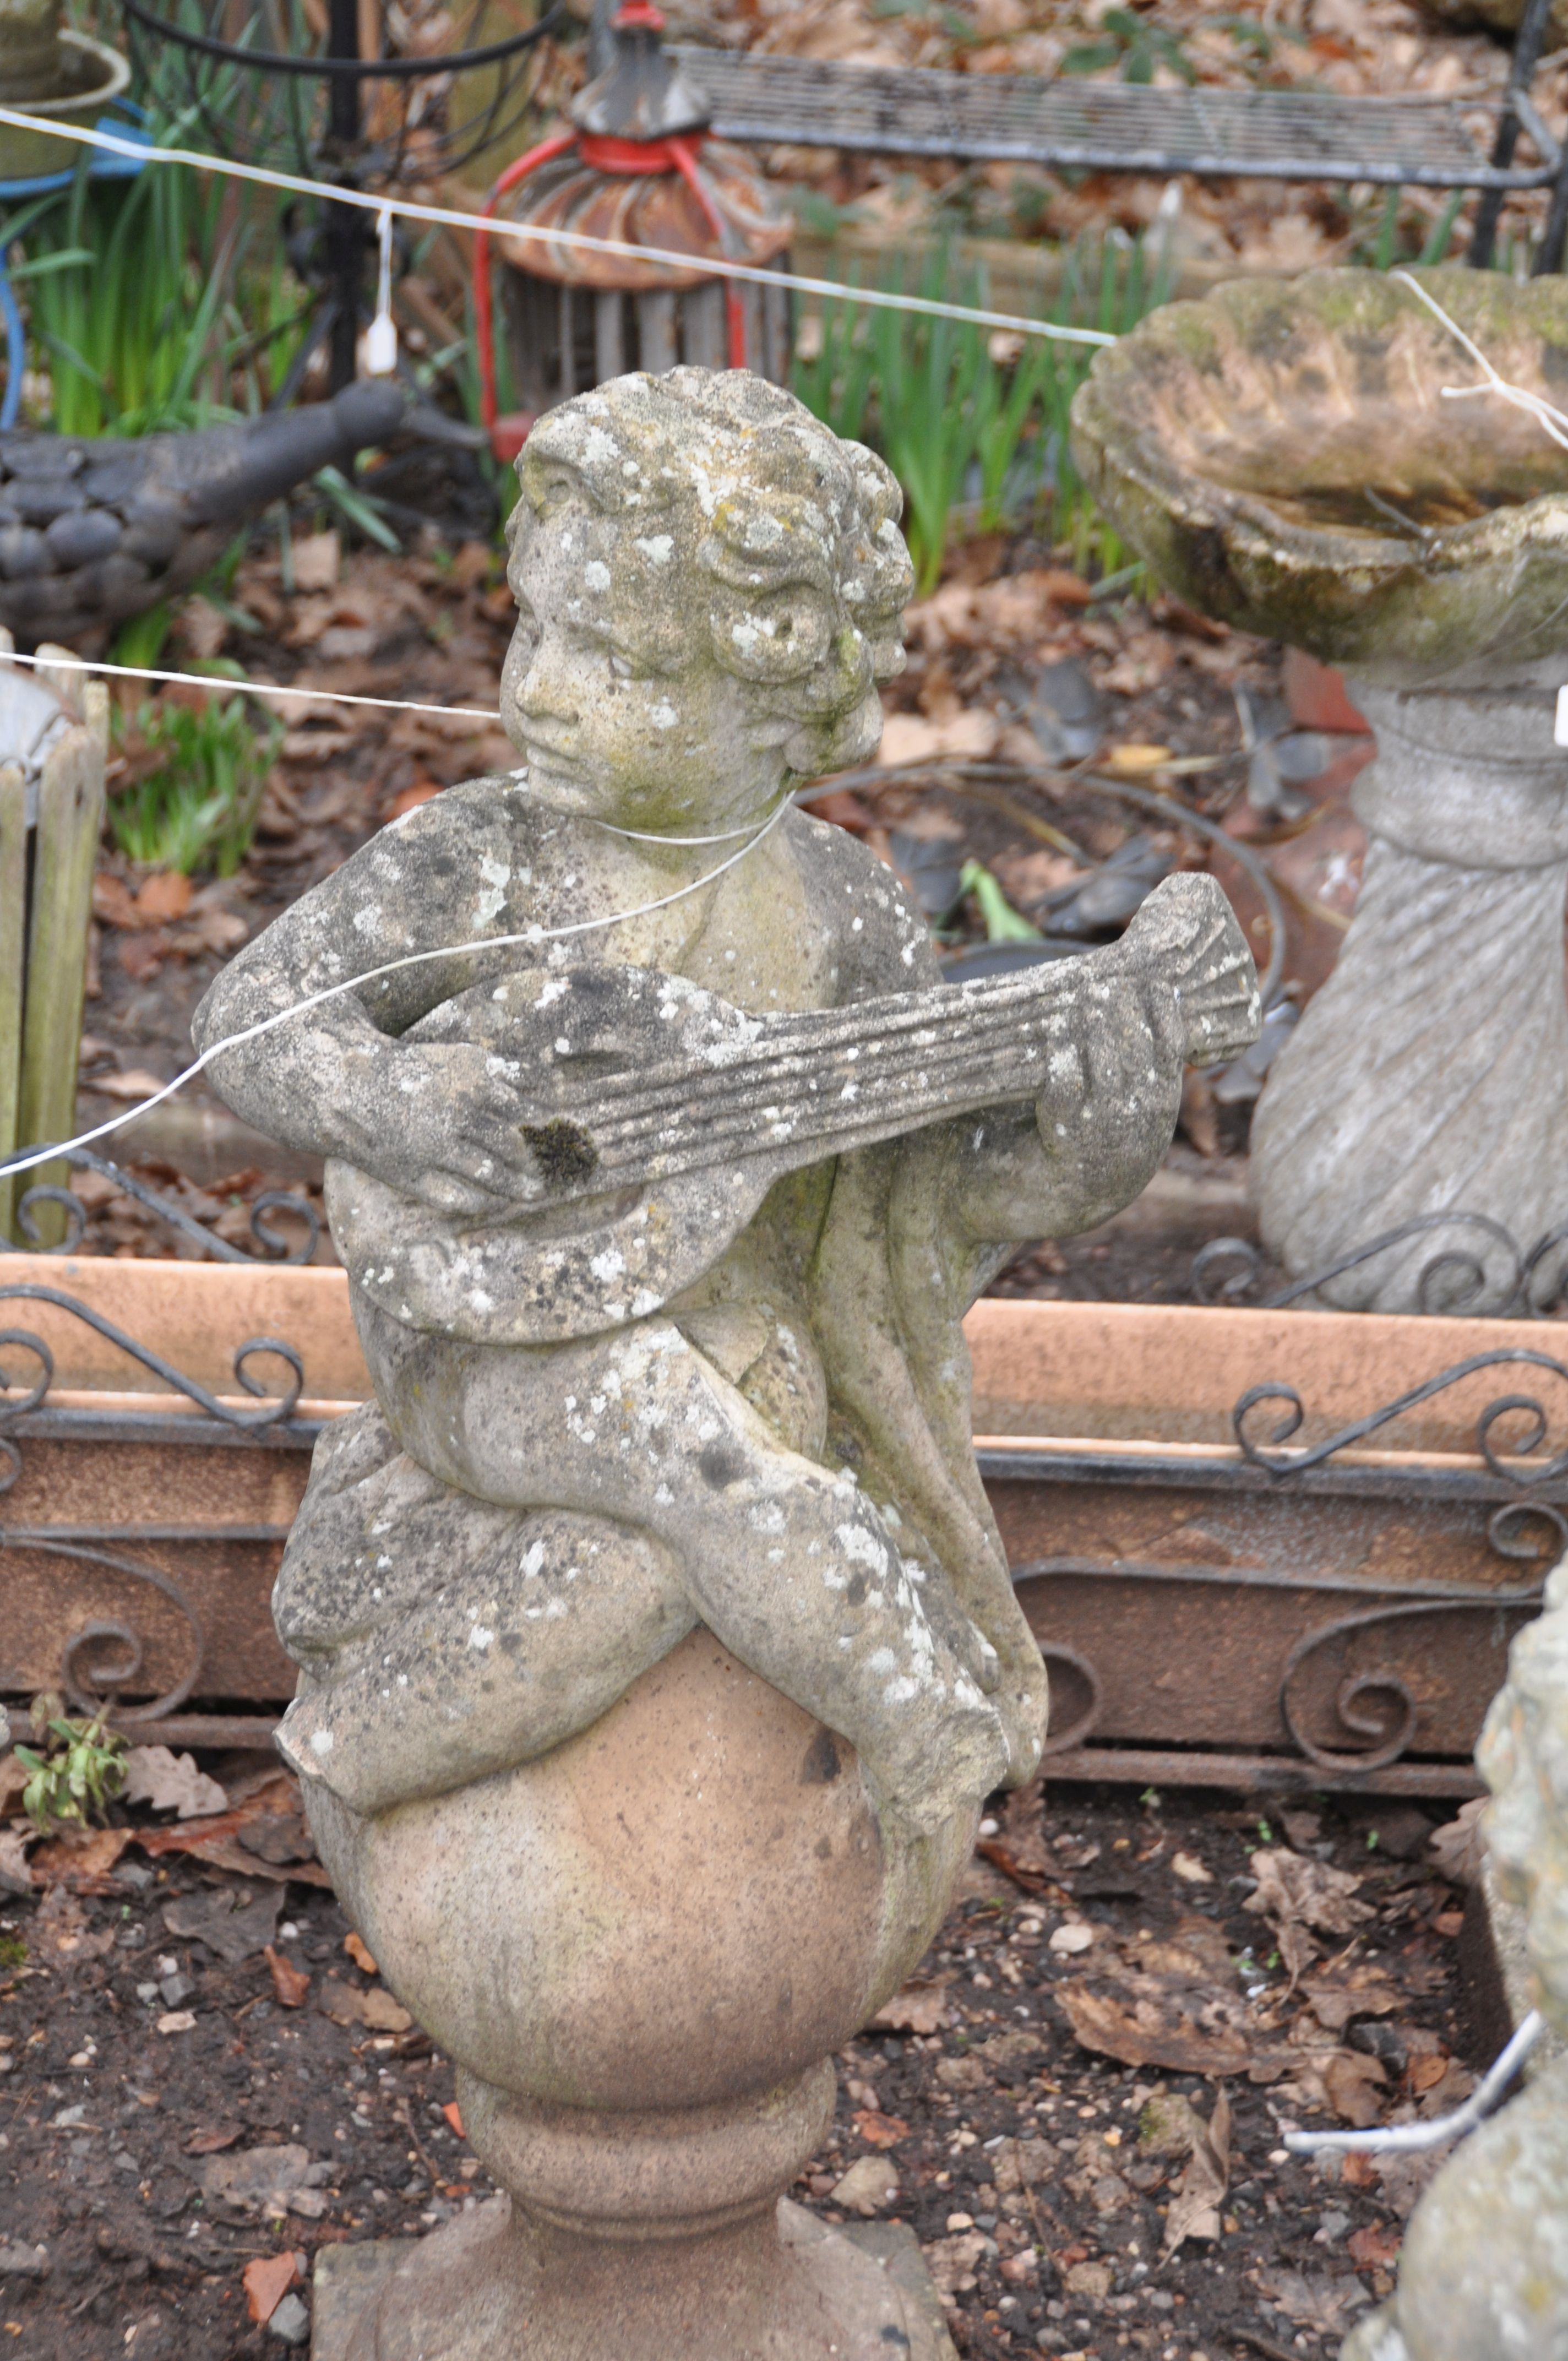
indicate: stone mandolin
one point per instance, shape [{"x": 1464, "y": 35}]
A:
[{"x": 662, "y": 1113}]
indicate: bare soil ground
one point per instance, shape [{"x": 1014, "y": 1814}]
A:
[{"x": 1076, "y": 2103}]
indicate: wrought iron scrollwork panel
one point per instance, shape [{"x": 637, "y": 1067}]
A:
[
  {"x": 1388, "y": 1734},
  {"x": 1375, "y": 1704},
  {"x": 271, "y": 1245},
  {"x": 1522, "y": 1443},
  {"x": 1495, "y": 1278},
  {"x": 279, "y": 1407},
  {"x": 107, "y": 1655},
  {"x": 92, "y": 1683}
]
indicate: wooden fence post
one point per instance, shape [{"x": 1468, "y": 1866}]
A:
[
  {"x": 13, "y": 947},
  {"x": 65, "y": 849}
]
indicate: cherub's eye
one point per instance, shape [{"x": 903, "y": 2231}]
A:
[{"x": 620, "y": 666}]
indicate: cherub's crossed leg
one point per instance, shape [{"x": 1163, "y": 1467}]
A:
[
  {"x": 443, "y": 1639},
  {"x": 788, "y": 1564}
]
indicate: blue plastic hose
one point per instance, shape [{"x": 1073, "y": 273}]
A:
[{"x": 16, "y": 352}]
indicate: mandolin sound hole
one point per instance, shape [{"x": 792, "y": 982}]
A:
[{"x": 565, "y": 1153}]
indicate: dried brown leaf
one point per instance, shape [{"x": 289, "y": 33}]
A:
[
  {"x": 265, "y": 1836},
  {"x": 1322, "y": 2303},
  {"x": 918, "y": 2007},
  {"x": 1341, "y": 1993},
  {"x": 16, "y": 1877},
  {"x": 1147, "y": 2024},
  {"x": 1295, "y": 1889},
  {"x": 1350, "y": 2081},
  {"x": 1458, "y": 1849},
  {"x": 1376, "y": 2246},
  {"x": 347, "y": 2004},
  {"x": 1194, "y": 2209},
  {"x": 289, "y": 1983},
  {"x": 165, "y": 895},
  {"x": 383, "y": 2013},
  {"x": 81, "y": 1859},
  {"x": 213, "y": 2142},
  {"x": 172, "y": 1782}
]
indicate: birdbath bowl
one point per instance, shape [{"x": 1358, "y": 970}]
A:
[
  {"x": 1287, "y": 460},
  {"x": 53, "y": 71}
]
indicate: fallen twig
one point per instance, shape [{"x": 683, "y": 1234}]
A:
[{"x": 1259, "y": 2343}]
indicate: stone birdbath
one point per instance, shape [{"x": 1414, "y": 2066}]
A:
[
  {"x": 657, "y": 1645},
  {"x": 1286, "y": 459},
  {"x": 49, "y": 70}
]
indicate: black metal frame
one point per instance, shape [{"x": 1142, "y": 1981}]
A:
[
  {"x": 1523, "y": 1282},
  {"x": 158, "y": 39},
  {"x": 1063, "y": 124}
]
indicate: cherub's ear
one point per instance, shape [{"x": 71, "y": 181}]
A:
[{"x": 770, "y": 635}]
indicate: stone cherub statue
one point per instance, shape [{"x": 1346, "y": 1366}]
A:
[
  {"x": 1484, "y": 2275},
  {"x": 664, "y": 1176}
]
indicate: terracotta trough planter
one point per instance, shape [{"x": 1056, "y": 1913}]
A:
[{"x": 1218, "y": 1606}]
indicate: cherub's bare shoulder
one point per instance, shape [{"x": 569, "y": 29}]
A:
[{"x": 880, "y": 939}]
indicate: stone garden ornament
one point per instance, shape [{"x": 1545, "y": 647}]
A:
[
  {"x": 1484, "y": 2274},
  {"x": 1326, "y": 461},
  {"x": 657, "y": 1646}
]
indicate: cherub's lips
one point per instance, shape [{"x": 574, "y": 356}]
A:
[{"x": 541, "y": 756}]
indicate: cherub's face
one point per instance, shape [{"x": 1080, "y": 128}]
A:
[{"x": 610, "y": 691}]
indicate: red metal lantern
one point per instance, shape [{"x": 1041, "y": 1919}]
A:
[{"x": 637, "y": 166}]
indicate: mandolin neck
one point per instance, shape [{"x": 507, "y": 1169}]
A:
[{"x": 820, "y": 1081}]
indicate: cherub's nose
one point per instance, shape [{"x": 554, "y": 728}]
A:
[{"x": 546, "y": 692}]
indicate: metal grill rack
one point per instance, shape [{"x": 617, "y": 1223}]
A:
[
  {"x": 1068, "y": 125},
  {"x": 1119, "y": 127}
]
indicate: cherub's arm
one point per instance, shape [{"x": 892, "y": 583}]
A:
[{"x": 337, "y": 1080}]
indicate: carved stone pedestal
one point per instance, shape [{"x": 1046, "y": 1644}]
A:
[
  {"x": 641, "y": 1951},
  {"x": 1431, "y": 1070},
  {"x": 792, "y": 2289},
  {"x": 867, "y": 2270}
]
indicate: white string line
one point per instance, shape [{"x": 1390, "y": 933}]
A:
[
  {"x": 531, "y": 935},
  {"x": 1554, "y": 421},
  {"x": 210, "y": 680},
  {"x": 496, "y": 226},
  {"x": 1411, "y": 2138},
  {"x": 245, "y": 686}
]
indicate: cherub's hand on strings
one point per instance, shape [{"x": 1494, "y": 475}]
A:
[{"x": 442, "y": 1123}]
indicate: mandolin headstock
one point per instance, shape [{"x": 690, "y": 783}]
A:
[{"x": 1186, "y": 935}]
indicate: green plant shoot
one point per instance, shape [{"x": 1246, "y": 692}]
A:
[
  {"x": 195, "y": 787},
  {"x": 1003, "y": 923},
  {"x": 74, "y": 1778}
]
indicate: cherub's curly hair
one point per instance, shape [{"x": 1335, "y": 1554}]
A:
[{"x": 798, "y": 558}]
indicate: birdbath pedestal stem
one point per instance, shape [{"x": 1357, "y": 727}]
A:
[{"x": 1430, "y": 1071}]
